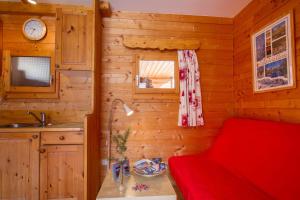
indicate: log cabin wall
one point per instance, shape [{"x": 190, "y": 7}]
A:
[
  {"x": 92, "y": 121},
  {"x": 281, "y": 105},
  {"x": 154, "y": 125},
  {"x": 1, "y": 47},
  {"x": 70, "y": 107}
]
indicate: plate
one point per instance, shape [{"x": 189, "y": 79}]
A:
[{"x": 149, "y": 168}]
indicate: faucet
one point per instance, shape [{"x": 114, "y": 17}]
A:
[{"x": 42, "y": 120}]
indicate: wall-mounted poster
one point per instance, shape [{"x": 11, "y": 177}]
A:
[{"x": 273, "y": 56}]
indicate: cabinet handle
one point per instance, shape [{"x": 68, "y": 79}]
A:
[
  {"x": 35, "y": 136},
  {"x": 51, "y": 79},
  {"x": 42, "y": 150},
  {"x": 61, "y": 137}
]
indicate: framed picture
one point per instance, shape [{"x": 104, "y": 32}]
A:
[{"x": 273, "y": 56}]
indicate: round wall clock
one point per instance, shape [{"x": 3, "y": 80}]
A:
[{"x": 34, "y": 29}]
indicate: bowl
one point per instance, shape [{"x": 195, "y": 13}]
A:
[{"x": 149, "y": 168}]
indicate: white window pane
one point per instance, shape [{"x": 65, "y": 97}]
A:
[
  {"x": 156, "y": 74},
  {"x": 30, "y": 71}
]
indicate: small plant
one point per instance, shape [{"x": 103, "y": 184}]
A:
[{"x": 121, "y": 141}]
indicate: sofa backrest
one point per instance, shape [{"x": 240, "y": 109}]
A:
[{"x": 265, "y": 153}]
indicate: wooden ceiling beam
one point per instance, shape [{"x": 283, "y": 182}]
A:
[
  {"x": 24, "y": 1},
  {"x": 105, "y": 9},
  {"x": 26, "y": 8},
  {"x": 38, "y": 9}
]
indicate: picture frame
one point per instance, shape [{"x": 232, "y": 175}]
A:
[{"x": 273, "y": 56}]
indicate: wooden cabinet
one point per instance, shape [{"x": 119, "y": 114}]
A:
[
  {"x": 42, "y": 165},
  {"x": 28, "y": 67},
  {"x": 61, "y": 166},
  {"x": 19, "y": 166},
  {"x": 62, "y": 172},
  {"x": 74, "y": 40},
  {"x": 64, "y": 137}
]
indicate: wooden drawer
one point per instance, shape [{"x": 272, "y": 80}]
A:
[{"x": 62, "y": 137}]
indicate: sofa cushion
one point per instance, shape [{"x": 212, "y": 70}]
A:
[
  {"x": 264, "y": 152},
  {"x": 202, "y": 179}
]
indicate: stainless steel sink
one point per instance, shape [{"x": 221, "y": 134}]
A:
[{"x": 20, "y": 125}]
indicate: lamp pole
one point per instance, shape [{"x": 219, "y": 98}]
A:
[{"x": 110, "y": 123}]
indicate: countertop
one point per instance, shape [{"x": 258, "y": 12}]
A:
[{"x": 55, "y": 127}]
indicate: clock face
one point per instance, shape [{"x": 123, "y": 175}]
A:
[{"x": 34, "y": 29}]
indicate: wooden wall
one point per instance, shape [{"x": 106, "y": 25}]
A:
[
  {"x": 1, "y": 47},
  {"x": 281, "y": 105},
  {"x": 70, "y": 107},
  {"x": 92, "y": 122},
  {"x": 154, "y": 125}
]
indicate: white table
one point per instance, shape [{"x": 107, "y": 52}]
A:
[{"x": 160, "y": 188}]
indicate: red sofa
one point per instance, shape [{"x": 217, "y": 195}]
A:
[{"x": 250, "y": 160}]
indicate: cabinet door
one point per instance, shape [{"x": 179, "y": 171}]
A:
[
  {"x": 19, "y": 166},
  {"x": 74, "y": 40},
  {"x": 61, "y": 172}
]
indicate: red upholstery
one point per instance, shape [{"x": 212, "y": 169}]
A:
[
  {"x": 202, "y": 179},
  {"x": 251, "y": 159}
]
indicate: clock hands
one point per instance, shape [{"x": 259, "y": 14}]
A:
[{"x": 33, "y": 29}]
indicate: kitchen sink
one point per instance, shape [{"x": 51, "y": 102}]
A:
[{"x": 20, "y": 125}]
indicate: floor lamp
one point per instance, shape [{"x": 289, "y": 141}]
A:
[{"x": 128, "y": 112}]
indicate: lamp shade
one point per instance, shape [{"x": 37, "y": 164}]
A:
[{"x": 127, "y": 110}]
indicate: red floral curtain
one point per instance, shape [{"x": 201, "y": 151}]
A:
[{"x": 190, "y": 108}]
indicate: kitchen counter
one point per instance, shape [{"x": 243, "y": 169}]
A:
[{"x": 55, "y": 127}]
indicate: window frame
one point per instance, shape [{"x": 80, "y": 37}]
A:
[
  {"x": 155, "y": 57},
  {"x": 7, "y": 54}
]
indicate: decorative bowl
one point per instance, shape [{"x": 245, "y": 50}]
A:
[{"x": 149, "y": 168}]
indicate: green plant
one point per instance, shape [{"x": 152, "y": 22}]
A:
[{"x": 121, "y": 141}]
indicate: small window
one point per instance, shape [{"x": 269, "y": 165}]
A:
[
  {"x": 156, "y": 74},
  {"x": 29, "y": 73}
]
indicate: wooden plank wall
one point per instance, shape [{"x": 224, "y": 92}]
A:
[
  {"x": 70, "y": 107},
  {"x": 154, "y": 125},
  {"x": 92, "y": 122},
  {"x": 281, "y": 105},
  {"x": 1, "y": 48}
]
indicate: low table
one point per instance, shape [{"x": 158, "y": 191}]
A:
[{"x": 160, "y": 188}]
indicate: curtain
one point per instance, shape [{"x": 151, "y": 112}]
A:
[{"x": 190, "y": 108}]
